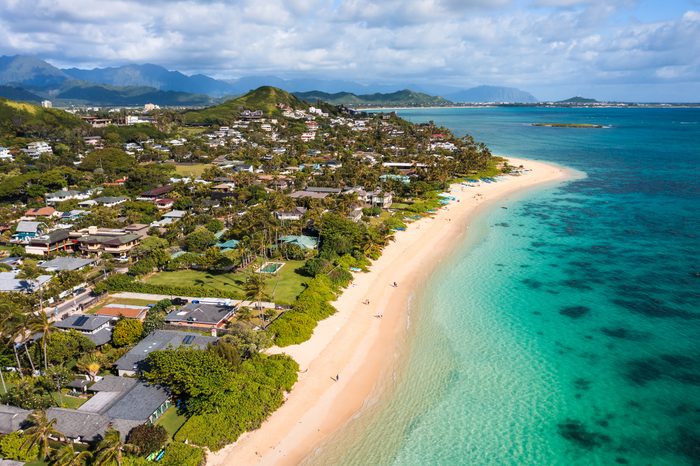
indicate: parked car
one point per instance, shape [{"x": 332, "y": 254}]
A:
[{"x": 179, "y": 301}]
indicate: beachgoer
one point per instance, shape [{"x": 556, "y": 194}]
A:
[{"x": 337, "y": 377}]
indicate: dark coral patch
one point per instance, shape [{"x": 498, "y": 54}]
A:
[
  {"x": 576, "y": 432},
  {"x": 575, "y": 312}
]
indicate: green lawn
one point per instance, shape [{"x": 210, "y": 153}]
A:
[
  {"x": 71, "y": 402},
  {"x": 191, "y": 170},
  {"x": 283, "y": 287},
  {"x": 112, "y": 300},
  {"x": 171, "y": 420}
]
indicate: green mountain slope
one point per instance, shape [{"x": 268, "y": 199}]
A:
[
  {"x": 405, "y": 97},
  {"x": 577, "y": 100},
  {"x": 264, "y": 98},
  {"x": 17, "y": 93},
  {"x": 20, "y": 119},
  {"x": 95, "y": 94}
]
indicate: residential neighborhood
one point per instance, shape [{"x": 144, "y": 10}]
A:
[{"x": 168, "y": 242}]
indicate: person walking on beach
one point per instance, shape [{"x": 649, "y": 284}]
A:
[{"x": 337, "y": 377}]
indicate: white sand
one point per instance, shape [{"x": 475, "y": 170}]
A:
[{"x": 355, "y": 344}]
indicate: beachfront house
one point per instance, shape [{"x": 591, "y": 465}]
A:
[
  {"x": 121, "y": 403},
  {"x": 131, "y": 362},
  {"x": 208, "y": 316}
]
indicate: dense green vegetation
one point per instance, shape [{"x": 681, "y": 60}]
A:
[
  {"x": 225, "y": 395},
  {"x": 405, "y": 97},
  {"x": 24, "y": 120},
  {"x": 265, "y": 98}
]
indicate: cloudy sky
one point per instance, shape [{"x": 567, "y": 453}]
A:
[{"x": 646, "y": 50}]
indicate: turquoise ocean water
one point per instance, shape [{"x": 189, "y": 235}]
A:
[{"x": 566, "y": 330}]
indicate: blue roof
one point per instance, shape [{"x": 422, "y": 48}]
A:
[
  {"x": 306, "y": 242},
  {"x": 230, "y": 244}
]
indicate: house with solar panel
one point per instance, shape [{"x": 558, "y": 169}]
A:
[
  {"x": 97, "y": 328},
  {"x": 205, "y": 316},
  {"x": 132, "y": 362}
]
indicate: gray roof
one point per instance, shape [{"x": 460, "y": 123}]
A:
[
  {"x": 203, "y": 313},
  {"x": 82, "y": 322},
  {"x": 139, "y": 403},
  {"x": 27, "y": 227},
  {"x": 10, "y": 282},
  {"x": 79, "y": 424},
  {"x": 62, "y": 193},
  {"x": 112, "y": 383},
  {"x": 101, "y": 337},
  {"x": 51, "y": 237},
  {"x": 66, "y": 263},
  {"x": 123, "y": 409},
  {"x": 175, "y": 214},
  {"x": 110, "y": 199},
  {"x": 160, "y": 340},
  {"x": 12, "y": 418}
]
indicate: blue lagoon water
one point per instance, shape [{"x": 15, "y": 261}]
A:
[{"x": 566, "y": 330}]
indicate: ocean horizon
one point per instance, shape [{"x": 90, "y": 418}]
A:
[{"x": 564, "y": 329}]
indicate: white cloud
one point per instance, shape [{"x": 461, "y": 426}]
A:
[{"x": 462, "y": 42}]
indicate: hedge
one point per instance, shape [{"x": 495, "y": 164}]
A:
[
  {"x": 313, "y": 304},
  {"x": 122, "y": 282}
]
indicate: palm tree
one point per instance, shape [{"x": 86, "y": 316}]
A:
[
  {"x": 41, "y": 324},
  {"x": 39, "y": 433},
  {"x": 111, "y": 450},
  {"x": 67, "y": 456},
  {"x": 254, "y": 288},
  {"x": 90, "y": 364}
]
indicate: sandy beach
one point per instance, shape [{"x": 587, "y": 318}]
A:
[{"x": 355, "y": 344}]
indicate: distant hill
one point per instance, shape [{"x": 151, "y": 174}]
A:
[
  {"x": 153, "y": 76},
  {"x": 265, "y": 98},
  {"x": 29, "y": 72},
  {"x": 578, "y": 100},
  {"x": 128, "y": 96},
  {"x": 17, "y": 93},
  {"x": 21, "y": 119},
  {"x": 405, "y": 97},
  {"x": 482, "y": 94}
]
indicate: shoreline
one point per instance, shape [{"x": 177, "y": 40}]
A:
[{"x": 360, "y": 347}]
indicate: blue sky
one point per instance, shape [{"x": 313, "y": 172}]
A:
[{"x": 644, "y": 50}]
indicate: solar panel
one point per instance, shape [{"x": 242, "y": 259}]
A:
[
  {"x": 80, "y": 321},
  {"x": 188, "y": 339}
]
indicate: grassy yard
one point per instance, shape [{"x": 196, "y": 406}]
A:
[
  {"x": 193, "y": 170},
  {"x": 112, "y": 300},
  {"x": 171, "y": 421},
  {"x": 72, "y": 402},
  {"x": 283, "y": 287}
]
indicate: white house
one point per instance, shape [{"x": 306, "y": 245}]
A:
[
  {"x": 5, "y": 154},
  {"x": 66, "y": 195},
  {"x": 35, "y": 149}
]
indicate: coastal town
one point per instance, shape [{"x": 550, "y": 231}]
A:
[{"x": 151, "y": 258}]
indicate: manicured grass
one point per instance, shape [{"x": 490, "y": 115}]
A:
[
  {"x": 191, "y": 170},
  {"x": 171, "y": 421},
  {"x": 283, "y": 287},
  {"x": 71, "y": 402},
  {"x": 112, "y": 300}
]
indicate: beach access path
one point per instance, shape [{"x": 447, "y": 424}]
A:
[{"x": 356, "y": 345}]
